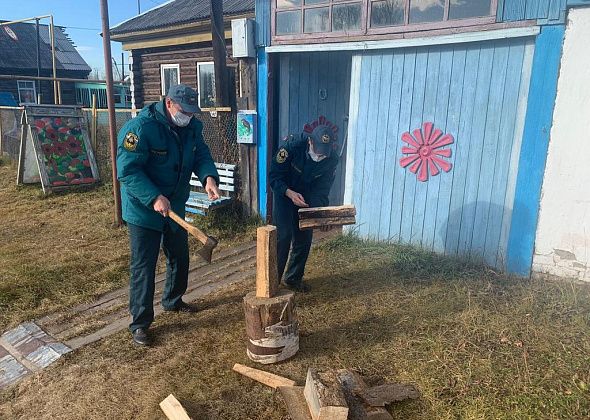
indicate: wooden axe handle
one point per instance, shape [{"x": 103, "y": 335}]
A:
[{"x": 193, "y": 230}]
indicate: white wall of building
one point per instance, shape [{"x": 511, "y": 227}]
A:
[{"x": 563, "y": 235}]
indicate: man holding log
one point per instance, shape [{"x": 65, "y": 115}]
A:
[
  {"x": 156, "y": 154},
  {"x": 301, "y": 175}
]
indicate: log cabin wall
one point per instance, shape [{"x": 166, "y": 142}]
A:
[{"x": 146, "y": 67}]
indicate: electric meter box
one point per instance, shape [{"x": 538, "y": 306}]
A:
[{"x": 242, "y": 32}]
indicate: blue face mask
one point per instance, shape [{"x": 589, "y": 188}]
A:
[{"x": 181, "y": 120}]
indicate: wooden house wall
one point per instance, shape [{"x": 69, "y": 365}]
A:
[
  {"x": 546, "y": 11},
  {"x": 147, "y": 71},
  {"x": 311, "y": 85},
  {"x": 477, "y": 93}
]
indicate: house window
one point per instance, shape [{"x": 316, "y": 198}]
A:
[
  {"x": 301, "y": 19},
  {"x": 206, "y": 84},
  {"x": 27, "y": 93},
  {"x": 317, "y": 16},
  {"x": 170, "y": 74}
]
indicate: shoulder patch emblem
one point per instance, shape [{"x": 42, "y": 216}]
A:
[
  {"x": 282, "y": 156},
  {"x": 130, "y": 142}
]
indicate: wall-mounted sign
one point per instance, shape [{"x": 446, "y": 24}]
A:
[{"x": 246, "y": 128}]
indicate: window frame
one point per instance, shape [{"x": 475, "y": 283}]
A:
[
  {"x": 34, "y": 89},
  {"x": 164, "y": 67},
  {"x": 199, "y": 65},
  {"x": 366, "y": 30}
]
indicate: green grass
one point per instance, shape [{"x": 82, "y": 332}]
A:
[{"x": 477, "y": 345}]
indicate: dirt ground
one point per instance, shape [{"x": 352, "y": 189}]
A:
[{"x": 476, "y": 344}]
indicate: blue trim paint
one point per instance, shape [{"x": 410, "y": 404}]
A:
[
  {"x": 548, "y": 12},
  {"x": 575, "y": 3},
  {"x": 263, "y": 130},
  {"x": 535, "y": 143},
  {"x": 262, "y": 9}
]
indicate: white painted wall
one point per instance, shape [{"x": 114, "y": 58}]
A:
[{"x": 563, "y": 235}]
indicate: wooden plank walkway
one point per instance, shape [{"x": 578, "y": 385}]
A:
[{"x": 34, "y": 345}]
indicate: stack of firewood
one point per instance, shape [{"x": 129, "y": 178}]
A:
[{"x": 334, "y": 394}]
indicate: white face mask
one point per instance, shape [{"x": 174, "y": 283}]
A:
[
  {"x": 314, "y": 156},
  {"x": 180, "y": 119}
]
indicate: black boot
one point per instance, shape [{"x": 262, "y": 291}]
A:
[{"x": 140, "y": 337}]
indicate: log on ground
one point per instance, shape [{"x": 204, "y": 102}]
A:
[
  {"x": 324, "y": 396},
  {"x": 353, "y": 386},
  {"x": 295, "y": 401},
  {"x": 266, "y": 378}
]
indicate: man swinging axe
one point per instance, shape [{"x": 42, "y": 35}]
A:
[{"x": 156, "y": 154}]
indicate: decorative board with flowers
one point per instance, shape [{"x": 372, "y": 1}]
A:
[{"x": 55, "y": 139}]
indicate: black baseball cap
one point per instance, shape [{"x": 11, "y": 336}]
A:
[
  {"x": 322, "y": 138},
  {"x": 185, "y": 96}
]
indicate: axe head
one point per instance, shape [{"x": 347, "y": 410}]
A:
[{"x": 207, "y": 251}]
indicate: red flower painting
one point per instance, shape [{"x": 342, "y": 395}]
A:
[
  {"x": 425, "y": 151},
  {"x": 62, "y": 144}
]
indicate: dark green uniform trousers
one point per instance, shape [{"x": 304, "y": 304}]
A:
[
  {"x": 145, "y": 247},
  {"x": 286, "y": 219}
]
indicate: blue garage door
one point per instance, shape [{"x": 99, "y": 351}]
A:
[{"x": 448, "y": 184}]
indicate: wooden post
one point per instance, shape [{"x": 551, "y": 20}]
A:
[
  {"x": 219, "y": 54},
  {"x": 266, "y": 262},
  {"x": 1, "y": 137},
  {"x": 106, "y": 42},
  {"x": 56, "y": 88},
  {"x": 94, "y": 122},
  {"x": 21, "y": 156},
  {"x": 248, "y": 155}
]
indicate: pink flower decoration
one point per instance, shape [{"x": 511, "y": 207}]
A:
[{"x": 425, "y": 153}]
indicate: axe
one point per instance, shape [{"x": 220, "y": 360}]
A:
[{"x": 209, "y": 242}]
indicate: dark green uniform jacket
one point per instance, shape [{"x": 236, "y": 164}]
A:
[
  {"x": 293, "y": 168},
  {"x": 155, "y": 157}
]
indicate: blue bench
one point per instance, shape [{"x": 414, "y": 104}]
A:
[{"x": 199, "y": 204}]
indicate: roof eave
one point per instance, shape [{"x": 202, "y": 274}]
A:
[{"x": 203, "y": 25}]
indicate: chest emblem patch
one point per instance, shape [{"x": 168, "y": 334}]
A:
[
  {"x": 131, "y": 141},
  {"x": 282, "y": 156}
]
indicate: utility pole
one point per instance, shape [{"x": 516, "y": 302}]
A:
[
  {"x": 106, "y": 42},
  {"x": 219, "y": 54},
  {"x": 38, "y": 58},
  {"x": 138, "y": 7}
]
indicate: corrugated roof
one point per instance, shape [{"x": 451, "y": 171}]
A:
[
  {"x": 21, "y": 52},
  {"x": 177, "y": 12}
]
